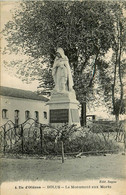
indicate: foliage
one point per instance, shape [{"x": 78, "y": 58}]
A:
[
  {"x": 85, "y": 30},
  {"x": 113, "y": 83},
  {"x": 38, "y": 28},
  {"x": 78, "y": 140},
  {"x": 91, "y": 142}
]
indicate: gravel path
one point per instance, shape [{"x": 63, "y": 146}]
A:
[{"x": 91, "y": 167}]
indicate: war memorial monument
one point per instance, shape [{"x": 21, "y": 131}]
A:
[{"x": 63, "y": 106}]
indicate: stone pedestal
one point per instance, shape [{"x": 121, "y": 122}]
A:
[{"x": 63, "y": 109}]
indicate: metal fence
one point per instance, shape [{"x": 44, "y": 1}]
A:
[
  {"x": 32, "y": 137},
  {"x": 18, "y": 138}
]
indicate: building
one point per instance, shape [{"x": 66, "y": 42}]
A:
[{"x": 18, "y": 105}]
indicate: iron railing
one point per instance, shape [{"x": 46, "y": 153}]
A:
[{"x": 32, "y": 137}]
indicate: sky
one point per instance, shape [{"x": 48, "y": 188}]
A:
[{"x": 7, "y": 79}]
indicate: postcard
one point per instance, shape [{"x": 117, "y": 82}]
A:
[{"x": 63, "y": 98}]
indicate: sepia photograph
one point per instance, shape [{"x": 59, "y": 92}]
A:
[{"x": 63, "y": 97}]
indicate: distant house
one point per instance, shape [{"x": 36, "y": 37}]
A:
[{"x": 18, "y": 105}]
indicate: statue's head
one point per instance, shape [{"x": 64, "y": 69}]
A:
[{"x": 60, "y": 52}]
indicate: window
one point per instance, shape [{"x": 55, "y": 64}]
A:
[
  {"x": 36, "y": 116},
  {"x": 45, "y": 115},
  {"x": 4, "y": 113},
  {"x": 27, "y": 114},
  {"x": 16, "y": 117}
]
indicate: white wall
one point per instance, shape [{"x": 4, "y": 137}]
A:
[{"x": 13, "y": 103}]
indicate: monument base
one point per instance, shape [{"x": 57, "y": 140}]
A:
[{"x": 63, "y": 109}]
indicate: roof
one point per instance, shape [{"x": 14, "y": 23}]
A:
[{"x": 19, "y": 93}]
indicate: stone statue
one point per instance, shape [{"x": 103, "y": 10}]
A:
[{"x": 61, "y": 73}]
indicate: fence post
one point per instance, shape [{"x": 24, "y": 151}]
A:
[
  {"x": 22, "y": 140},
  {"x": 11, "y": 140},
  {"x": 4, "y": 139},
  {"x": 41, "y": 138}
]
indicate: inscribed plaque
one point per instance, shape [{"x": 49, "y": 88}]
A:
[{"x": 59, "y": 116}]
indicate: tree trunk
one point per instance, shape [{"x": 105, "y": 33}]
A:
[
  {"x": 94, "y": 71},
  {"x": 83, "y": 114},
  {"x": 119, "y": 64},
  {"x": 118, "y": 52}
]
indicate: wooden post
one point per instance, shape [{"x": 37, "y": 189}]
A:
[{"x": 62, "y": 151}]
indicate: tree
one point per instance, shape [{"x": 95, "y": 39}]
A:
[
  {"x": 119, "y": 48},
  {"x": 85, "y": 30},
  {"x": 113, "y": 82}
]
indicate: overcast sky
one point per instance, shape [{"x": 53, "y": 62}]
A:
[{"x": 8, "y": 79}]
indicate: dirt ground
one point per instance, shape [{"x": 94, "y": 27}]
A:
[{"x": 91, "y": 167}]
